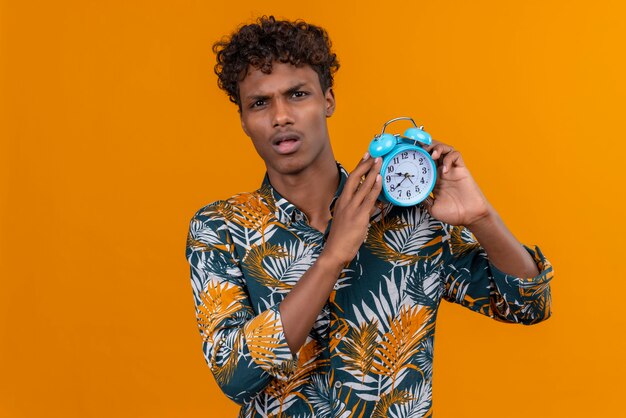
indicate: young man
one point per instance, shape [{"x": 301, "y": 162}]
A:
[{"x": 314, "y": 299}]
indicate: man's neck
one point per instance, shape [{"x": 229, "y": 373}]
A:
[{"x": 312, "y": 190}]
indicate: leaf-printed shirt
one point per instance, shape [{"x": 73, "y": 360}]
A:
[{"x": 370, "y": 351}]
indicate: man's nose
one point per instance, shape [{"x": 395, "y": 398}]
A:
[{"x": 282, "y": 114}]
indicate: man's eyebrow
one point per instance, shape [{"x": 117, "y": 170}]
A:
[
  {"x": 289, "y": 91},
  {"x": 295, "y": 88},
  {"x": 256, "y": 97}
]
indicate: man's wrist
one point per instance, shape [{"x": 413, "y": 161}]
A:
[
  {"x": 330, "y": 265},
  {"x": 484, "y": 223}
]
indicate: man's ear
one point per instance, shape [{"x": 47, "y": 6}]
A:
[{"x": 330, "y": 102}]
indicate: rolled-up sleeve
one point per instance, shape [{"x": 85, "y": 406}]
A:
[
  {"x": 244, "y": 350},
  {"x": 470, "y": 280}
]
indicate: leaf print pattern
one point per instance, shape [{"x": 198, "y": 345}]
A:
[
  {"x": 265, "y": 341},
  {"x": 462, "y": 241},
  {"x": 286, "y": 390},
  {"x": 401, "y": 241},
  {"x": 318, "y": 395},
  {"x": 224, "y": 365},
  {"x": 219, "y": 302},
  {"x": 370, "y": 352},
  {"x": 397, "y": 397},
  {"x": 360, "y": 349},
  {"x": 254, "y": 260},
  {"x": 401, "y": 343}
]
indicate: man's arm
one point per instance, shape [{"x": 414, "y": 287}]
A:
[
  {"x": 486, "y": 269},
  {"x": 504, "y": 250},
  {"x": 459, "y": 201},
  {"x": 245, "y": 352},
  {"x": 473, "y": 281},
  {"x": 304, "y": 302}
]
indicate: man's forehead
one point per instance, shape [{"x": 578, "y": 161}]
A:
[{"x": 283, "y": 76}]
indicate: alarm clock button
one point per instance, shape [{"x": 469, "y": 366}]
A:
[
  {"x": 418, "y": 135},
  {"x": 381, "y": 145}
]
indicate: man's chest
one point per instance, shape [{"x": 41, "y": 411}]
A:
[{"x": 399, "y": 263}]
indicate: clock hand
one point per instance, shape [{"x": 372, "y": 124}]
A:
[{"x": 408, "y": 176}]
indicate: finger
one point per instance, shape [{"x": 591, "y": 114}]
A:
[
  {"x": 432, "y": 145},
  {"x": 355, "y": 177},
  {"x": 374, "y": 192},
  {"x": 453, "y": 158},
  {"x": 440, "y": 149},
  {"x": 367, "y": 184}
]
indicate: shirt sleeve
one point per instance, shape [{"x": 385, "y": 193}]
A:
[
  {"x": 244, "y": 351},
  {"x": 472, "y": 281}
]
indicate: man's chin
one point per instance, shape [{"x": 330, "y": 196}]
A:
[{"x": 290, "y": 167}]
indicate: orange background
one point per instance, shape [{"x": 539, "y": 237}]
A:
[{"x": 113, "y": 133}]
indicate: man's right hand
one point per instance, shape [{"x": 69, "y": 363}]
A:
[{"x": 353, "y": 210}]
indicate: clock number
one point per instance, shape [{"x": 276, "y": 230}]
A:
[
  {"x": 396, "y": 160},
  {"x": 408, "y": 193},
  {"x": 421, "y": 161},
  {"x": 400, "y": 193},
  {"x": 390, "y": 169},
  {"x": 422, "y": 181},
  {"x": 423, "y": 170},
  {"x": 388, "y": 179},
  {"x": 392, "y": 188},
  {"x": 405, "y": 155},
  {"x": 417, "y": 189}
]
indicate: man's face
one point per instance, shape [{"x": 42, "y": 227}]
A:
[{"x": 284, "y": 113}]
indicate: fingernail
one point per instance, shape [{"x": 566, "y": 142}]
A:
[
  {"x": 366, "y": 156},
  {"x": 378, "y": 178},
  {"x": 445, "y": 169},
  {"x": 377, "y": 160}
]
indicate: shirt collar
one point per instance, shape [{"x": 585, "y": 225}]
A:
[{"x": 285, "y": 211}]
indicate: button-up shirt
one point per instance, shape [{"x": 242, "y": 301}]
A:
[{"x": 370, "y": 351}]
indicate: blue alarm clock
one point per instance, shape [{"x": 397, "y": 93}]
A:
[{"x": 408, "y": 171}]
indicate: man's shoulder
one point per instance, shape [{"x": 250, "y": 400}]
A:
[{"x": 236, "y": 205}]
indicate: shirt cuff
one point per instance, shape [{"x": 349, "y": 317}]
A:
[{"x": 525, "y": 300}]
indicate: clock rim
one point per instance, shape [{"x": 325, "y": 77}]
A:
[{"x": 389, "y": 157}]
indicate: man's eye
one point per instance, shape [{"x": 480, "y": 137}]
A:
[
  {"x": 300, "y": 94},
  {"x": 258, "y": 103}
]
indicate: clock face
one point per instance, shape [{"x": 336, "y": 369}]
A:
[{"x": 409, "y": 176}]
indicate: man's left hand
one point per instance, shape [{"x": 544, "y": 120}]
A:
[{"x": 458, "y": 199}]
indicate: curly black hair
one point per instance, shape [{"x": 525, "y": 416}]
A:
[{"x": 269, "y": 40}]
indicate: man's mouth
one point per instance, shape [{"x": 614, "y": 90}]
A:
[{"x": 286, "y": 144}]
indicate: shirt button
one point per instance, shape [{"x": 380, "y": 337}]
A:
[
  {"x": 336, "y": 286},
  {"x": 337, "y": 384},
  {"x": 338, "y": 336}
]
